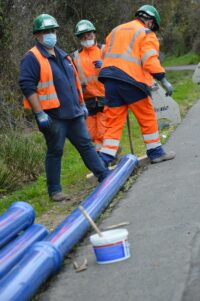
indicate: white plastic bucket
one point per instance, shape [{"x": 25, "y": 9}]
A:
[{"x": 113, "y": 246}]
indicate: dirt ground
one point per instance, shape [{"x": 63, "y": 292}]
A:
[{"x": 61, "y": 210}]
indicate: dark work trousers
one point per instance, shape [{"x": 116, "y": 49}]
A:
[{"x": 76, "y": 131}]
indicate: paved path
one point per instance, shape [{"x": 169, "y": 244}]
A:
[
  {"x": 163, "y": 207},
  {"x": 181, "y": 68}
]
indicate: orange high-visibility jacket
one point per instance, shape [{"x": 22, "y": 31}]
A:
[
  {"x": 88, "y": 74},
  {"x": 134, "y": 49},
  {"x": 46, "y": 90}
]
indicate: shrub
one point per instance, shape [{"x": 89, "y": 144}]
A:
[{"x": 22, "y": 159}]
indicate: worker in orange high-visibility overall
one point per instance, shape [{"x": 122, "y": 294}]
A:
[
  {"x": 130, "y": 63},
  {"x": 52, "y": 90},
  {"x": 88, "y": 61}
]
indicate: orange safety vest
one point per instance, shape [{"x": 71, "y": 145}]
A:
[
  {"x": 45, "y": 89},
  {"x": 87, "y": 72},
  {"x": 134, "y": 49}
]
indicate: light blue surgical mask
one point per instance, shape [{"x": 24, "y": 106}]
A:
[
  {"x": 88, "y": 43},
  {"x": 49, "y": 40}
]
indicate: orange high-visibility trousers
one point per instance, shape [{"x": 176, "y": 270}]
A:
[
  {"x": 96, "y": 127},
  {"x": 115, "y": 120}
]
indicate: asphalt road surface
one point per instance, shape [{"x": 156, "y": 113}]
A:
[{"x": 163, "y": 208}]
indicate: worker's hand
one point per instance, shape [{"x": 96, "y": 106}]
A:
[
  {"x": 85, "y": 110},
  {"x": 167, "y": 86},
  {"x": 42, "y": 119},
  {"x": 98, "y": 63}
]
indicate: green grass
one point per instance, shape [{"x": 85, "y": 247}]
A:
[
  {"x": 73, "y": 176},
  {"x": 185, "y": 91},
  {"x": 138, "y": 144},
  {"x": 20, "y": 154},
  {"x": 187, "y": 59},
  {"x": 73, "y": 169}
]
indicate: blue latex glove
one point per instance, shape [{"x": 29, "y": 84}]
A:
[
  {"x": 98, "y": 63},
  {"x": 167, "y": 86},
  {"x": 85, "y": 110},
  {"x": 42, "y": 119}
]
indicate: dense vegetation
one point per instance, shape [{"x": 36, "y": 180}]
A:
[{"x": 179, "y": 34}]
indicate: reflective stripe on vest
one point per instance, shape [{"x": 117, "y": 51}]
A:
[
  {"x": 77, "y": 80},
  {"x": 127, "y": 54},
  {"x": 47, "y": 97},
  {"x": 102, "y": 50},
  {"x": 45, "y": 84},
  {"x": 45, "y": 89},
  {"x": 148, "y": 54},
  {"x": 85, "y": 79}
]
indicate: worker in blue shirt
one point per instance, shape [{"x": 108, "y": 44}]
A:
[{"x": 51, "y": 89}]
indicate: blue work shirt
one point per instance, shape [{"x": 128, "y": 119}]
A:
[{"x": 63, "y": 78}]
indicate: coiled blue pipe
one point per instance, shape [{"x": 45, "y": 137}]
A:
[
  {"x": 18, "y": 217},
  {"x": 43, "y": 260},
  {"x": 17, "y": 248}
]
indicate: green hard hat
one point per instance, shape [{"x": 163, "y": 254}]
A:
[
  {"x": 84, "y": 26},
  {"x": 150, "y": 11},
  {"x": 43, "y": 22}
]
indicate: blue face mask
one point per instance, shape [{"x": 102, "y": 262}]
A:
[{"x": 49, "y": 40}]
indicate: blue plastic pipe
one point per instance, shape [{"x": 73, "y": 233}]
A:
[
  {"x": 21, "y": 283},
  {"x": 73, "y": 228},
  {"x": 17, "y": 248},
  {"x": 43, "y": 259},
  {"x": 18, "y": 217}
]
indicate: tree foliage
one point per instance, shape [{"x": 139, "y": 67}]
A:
[{"x": 178, "y": 35}]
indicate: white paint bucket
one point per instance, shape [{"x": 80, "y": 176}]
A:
[{"x": 112, "y": 246}]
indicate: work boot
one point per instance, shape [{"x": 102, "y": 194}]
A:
[
  {"x": 59, "y": 197},
  {"x": 167, "y": 156}
]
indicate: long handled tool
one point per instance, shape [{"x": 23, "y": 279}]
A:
[
  {"x": 129, "y": 133},
  {"x": 92, "y": 223}
]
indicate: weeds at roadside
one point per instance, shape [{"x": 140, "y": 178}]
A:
[{"x": 20, "y": 161}]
